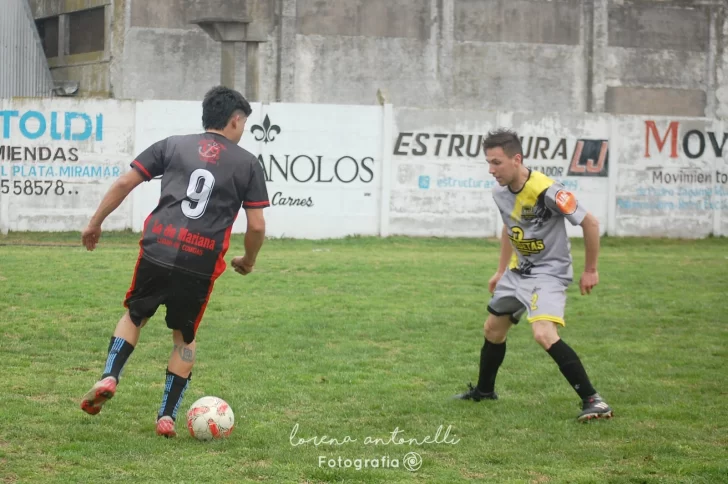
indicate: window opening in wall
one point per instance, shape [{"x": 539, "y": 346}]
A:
[
  {"x": 86, "y": 30},
  {"x": 48, "y": 33}
]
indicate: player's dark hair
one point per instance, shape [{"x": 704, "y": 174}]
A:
[
  {"x": 220, "y": 104},
  {"x": 505, "y": 139}
]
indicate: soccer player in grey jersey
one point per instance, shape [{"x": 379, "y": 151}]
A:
[
  {"x": 205, "y": 179},
  {"x": 535, "y": 269}
]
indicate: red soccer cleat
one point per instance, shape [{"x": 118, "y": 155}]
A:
[
  {"x": 165, "y": 427},
  {"x": 95, "y": 398}
]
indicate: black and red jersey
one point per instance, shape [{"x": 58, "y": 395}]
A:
[{"x": 205, "y": 180}]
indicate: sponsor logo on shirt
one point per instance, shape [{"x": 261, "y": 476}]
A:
[
  {"x": 523, "y": 245},
  {"x": 566, "y": 201},
  {"x": 210, "y": 150}
]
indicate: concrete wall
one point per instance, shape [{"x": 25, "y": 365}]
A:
[
  {"x": 323, "y": 178},
  {"x": 661, "y": 57},
  {"x": 440, "y": 181},
  {"x": 57, "y": 159},
  {"x": 658, "y": 57},
  {"x": 673, "y": 179},
  {"x": 721, "y": 75},
  {"x": 337, "y": 170}
]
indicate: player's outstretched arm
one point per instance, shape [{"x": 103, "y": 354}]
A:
[
  {"x": 590, "y": 277},
  {"x": 116, "y": 194},
  {"x": 254, "y": 237},
  {"x": 506, "y": 251}
]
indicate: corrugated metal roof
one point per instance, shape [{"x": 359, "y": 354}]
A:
[{"x": 23, "y": 66}]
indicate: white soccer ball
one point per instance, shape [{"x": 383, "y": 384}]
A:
[{"x": 210, "y": 418}]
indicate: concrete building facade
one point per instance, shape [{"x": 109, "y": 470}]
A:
[{"x": 656, "y": 57}]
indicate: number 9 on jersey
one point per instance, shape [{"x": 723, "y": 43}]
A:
[{"x": 198, "y": 193}]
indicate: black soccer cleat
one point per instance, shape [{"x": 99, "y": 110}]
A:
[
  {"x": 594, "y": 407},
  {"x": 476, "y": 395}
]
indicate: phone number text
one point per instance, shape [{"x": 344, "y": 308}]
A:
[{"x": 34, "y": 187}]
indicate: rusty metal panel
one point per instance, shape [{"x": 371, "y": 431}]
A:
[{"x": 23, "y": 65}]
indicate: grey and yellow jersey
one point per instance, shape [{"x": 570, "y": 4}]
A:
[{"x": 534, "y": 217}]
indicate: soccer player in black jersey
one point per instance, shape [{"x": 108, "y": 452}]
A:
[{"x": 205, "y": 179}]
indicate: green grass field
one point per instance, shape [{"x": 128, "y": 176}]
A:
[{"x": 359, "y": 337}]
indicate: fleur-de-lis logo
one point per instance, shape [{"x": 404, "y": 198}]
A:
[{"x": 268, "y": 131}]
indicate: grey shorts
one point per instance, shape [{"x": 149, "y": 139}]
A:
[{"x": 543, "y": 297}]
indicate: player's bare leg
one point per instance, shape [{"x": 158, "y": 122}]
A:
[
  {"x": 125, "y": 338},
  {"x": 182, "y": 358},
  {"x": 545, "y": 333},
  {"x": 127, "y": 330},
  {"x": 179, "y": 373},
  {"x": 593, "y": 405},
  {"x": 495, "y": 331}
]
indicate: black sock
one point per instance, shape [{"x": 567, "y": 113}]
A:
[
  {"x": 571, "y": 368},
  {"x": 119, "y": 351},
  {"x": 174, "y": 392},
  {"x": 491, "y": 357}
]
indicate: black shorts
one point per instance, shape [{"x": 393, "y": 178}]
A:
[{"x": 185, "y": 296}]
